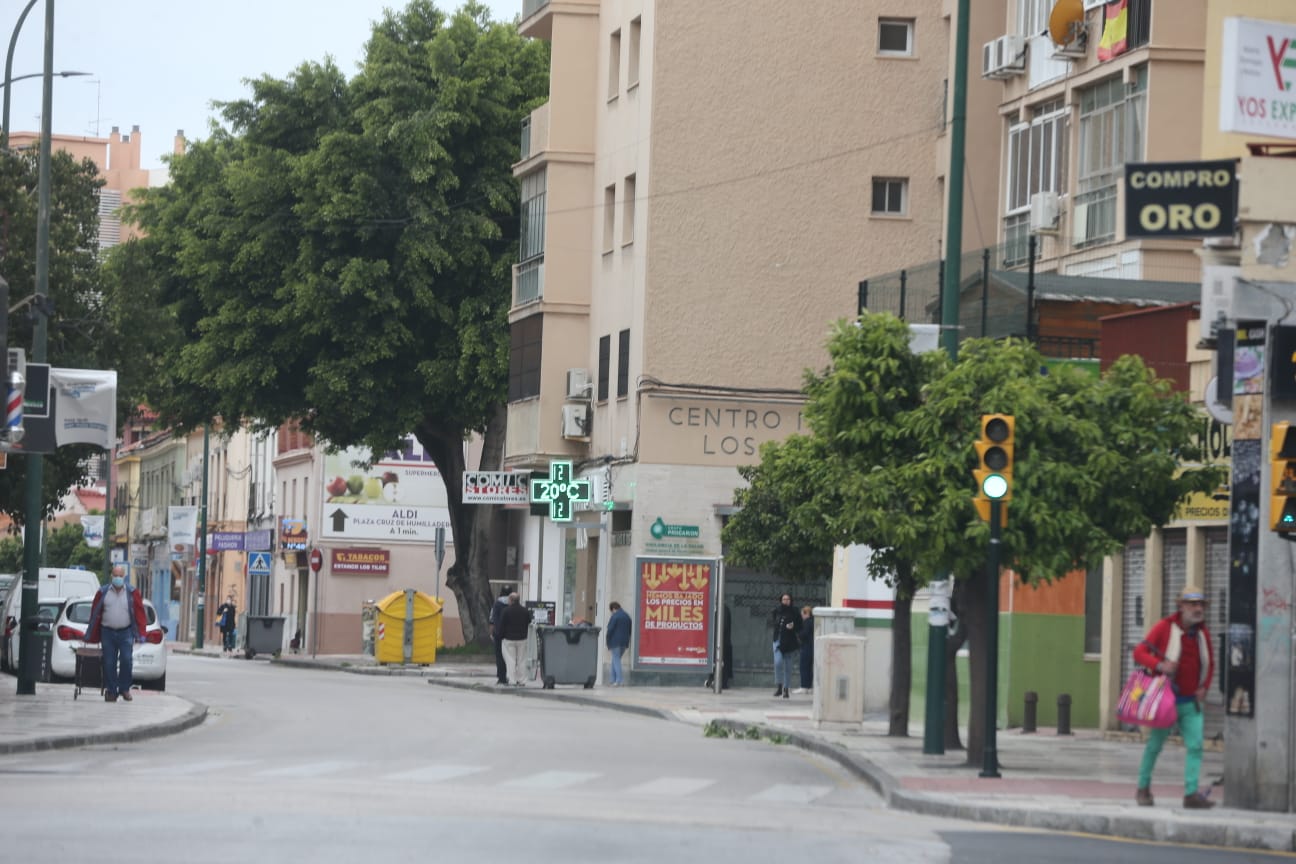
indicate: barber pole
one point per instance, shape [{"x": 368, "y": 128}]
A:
[{"x": 14, "y": 408}]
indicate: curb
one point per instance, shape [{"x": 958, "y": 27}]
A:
[
  {"x": 196, "y": 714},
  {"x": 399, "y": 671}
]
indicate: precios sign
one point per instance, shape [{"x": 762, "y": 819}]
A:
[{"x": 1180, "y": 199}]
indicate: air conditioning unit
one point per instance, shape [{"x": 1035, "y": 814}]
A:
[
  {"x": 1004, "y": 57},
  {"x": 1044, "y": 211},
  {"x": 578, "y": 384},
  {"x": 576, "y": 420}
]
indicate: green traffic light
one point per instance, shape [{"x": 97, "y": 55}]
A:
[{"x": 994, "y": 486}]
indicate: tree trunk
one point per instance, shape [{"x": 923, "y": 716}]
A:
[
  {"x": 477, "y": 529},
  {"x": 953, "y": 644},
  {"x": 975, "y": 615},
  {"x": 902, "y": 653}
]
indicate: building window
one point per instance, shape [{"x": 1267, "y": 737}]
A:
[
  {"x": 530, "y": 272},
  {"x": 895, "y": 37},
  {"x": 1033, "y": 16},
  {"x": 1093, "y": 611},
  {"x": 632, "y": 61},
  {"x": 890, "y": 196},
  {"x": 623, "y": 363},
  {"x": 604, "y": 367},
  {"x": 1112, "y": 132},
  {"x": 609, "y": 217},
  {"x": 526, "y": 338},
  {"x": 1037, "y": 161},
  {"x": 628, "y": 211},
  {"x": 614, "y": 65},
  {"x": 1139, "y": 14}
]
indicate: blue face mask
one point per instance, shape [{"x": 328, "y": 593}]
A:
[{"x": 118, "y": 581}]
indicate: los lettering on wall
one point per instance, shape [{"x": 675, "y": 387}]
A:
[{"x": 673, "y": 611}]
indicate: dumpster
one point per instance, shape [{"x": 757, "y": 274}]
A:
[
  {"x": 263, "y": 634},
  {"x": 568, "y": 655},
  {"x": 407, "y": 628}
]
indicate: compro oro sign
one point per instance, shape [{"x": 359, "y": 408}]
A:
[
  {"x": 1258, "y": 78},
  {"x": 1180, "y": 199}
]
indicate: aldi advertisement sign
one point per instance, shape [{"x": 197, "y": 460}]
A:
[
  {"x": 398, "y": 497},
  {"x": 673, "y": 611}
]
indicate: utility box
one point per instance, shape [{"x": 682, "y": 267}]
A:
[
  {"x": 407, "y": 628},
  {"x": 832, "y": 619},
  {"x": 839, "y": 679}
]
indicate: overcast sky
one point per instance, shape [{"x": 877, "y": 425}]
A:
[{"x": 159, "y": 64}]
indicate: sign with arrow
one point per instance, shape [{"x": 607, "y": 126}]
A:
[{"x": 400, "y": 497}]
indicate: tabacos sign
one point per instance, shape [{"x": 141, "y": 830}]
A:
[
  {"x": 1180, "y": 199},
  {"x": 1257, "y": 74}
]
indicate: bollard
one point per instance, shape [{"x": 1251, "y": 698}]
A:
[
  {"x": 1028, "y": 722},
  {"x": 1064, "y": 714}
]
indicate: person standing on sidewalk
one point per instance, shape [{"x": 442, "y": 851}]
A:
[
  {"x": 618, "y": 640},
  {"x": 497, "y": 635},
  {"x": 807, "y": 650},
  {"x": 786, "y": 621},
  {"x": 1179, "y": 647},
  {"x": 514, "y": 623},
  {"x": 226, "y": 617},
  {"x": 117, "y": 622}
]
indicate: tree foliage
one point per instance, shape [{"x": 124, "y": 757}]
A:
[
  {"x": 340, "y": 254},
  {"x": 1097, "y": 461}
]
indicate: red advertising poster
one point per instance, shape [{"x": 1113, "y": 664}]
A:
[{"x": 674, "y": 611}]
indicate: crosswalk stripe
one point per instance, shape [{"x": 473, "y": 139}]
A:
[
  {"x": 667, "y": 786},
  {"x": 436, "y": 773},
  {"x": 190, "y": 768},
  {"x": 551, "y": 780},
  {"x": 310, "y": 769},
  {"x": 789, "y": 794}
]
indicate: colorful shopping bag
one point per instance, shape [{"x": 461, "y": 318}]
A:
[{"x": 1147, "y": 700}]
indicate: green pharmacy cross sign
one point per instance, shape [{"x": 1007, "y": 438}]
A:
[{"x": 560, "y": 491}]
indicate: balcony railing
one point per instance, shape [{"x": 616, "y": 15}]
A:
[
  {"x": 531, "y": 7},
  {"x": 528, "y": 285}
]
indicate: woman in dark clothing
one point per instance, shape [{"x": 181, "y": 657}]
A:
[
  {"x": 786, "y": 622},
  {"x": 807, "y": 650}
]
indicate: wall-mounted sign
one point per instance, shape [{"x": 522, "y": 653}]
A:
[
  {"x": 225, "y": 541},
  {"x": 673, "y": 620},
  {"x": 560, "y": 491},
  {"x": 496, "y": 487},
  {"x": 1180, "y": 199},
  {"x": 292, "y": 535},
  {"x": 1258, "y": 78},
  {"x": 396, "y": 498},
  {"x": 366, "y": 562}
]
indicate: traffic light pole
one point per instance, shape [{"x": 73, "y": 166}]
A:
[{"x": 989, "y": 751}]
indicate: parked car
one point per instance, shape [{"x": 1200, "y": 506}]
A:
[
  {"x": 149, "y": 664},
  {"x": 47, "y": 612}
]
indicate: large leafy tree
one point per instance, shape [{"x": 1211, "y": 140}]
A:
[
  {"x": 79, "y": 335},
  {"x": 1097, "y": 462},
  {"x": 340, "y": 254}
]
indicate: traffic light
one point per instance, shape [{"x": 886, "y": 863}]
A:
[
  {"x": 1282, "y": 477},
  {"x": 994, "y": 462}
]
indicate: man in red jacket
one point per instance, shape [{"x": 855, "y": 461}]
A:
[
  {"x": 1179, "y": 646},
  {"x": 117, "y": 622}
]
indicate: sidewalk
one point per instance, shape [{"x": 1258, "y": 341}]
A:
[{"x": 1082, "y": 782}]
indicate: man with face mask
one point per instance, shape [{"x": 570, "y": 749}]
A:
[
  {"x": 1179, "y": 647},
  {"x": 117, "y": 622}
]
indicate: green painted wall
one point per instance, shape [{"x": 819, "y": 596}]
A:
[{"x": 1046, "y": 654}]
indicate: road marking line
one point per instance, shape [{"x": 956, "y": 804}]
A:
[
  {"x": 189, "y": 768},
  {"x": 436, "y": 773},
  {"x": 789, "y": 794},
  {"x": 551, "y": 780},
  {"x": 665, "y": 786},
  {"x": 310, "y": 769}
]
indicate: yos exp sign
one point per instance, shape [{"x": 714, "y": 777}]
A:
[
  {"x": 1257, "y": 74},
  {"x": 1180, "y": 199}
]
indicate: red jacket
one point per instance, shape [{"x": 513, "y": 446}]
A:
[
  {"x": 139, "y": 620},
  {"x": 1191, "y": 678}
]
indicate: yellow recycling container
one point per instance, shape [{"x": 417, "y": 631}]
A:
[{"x": 407, "y": 628}]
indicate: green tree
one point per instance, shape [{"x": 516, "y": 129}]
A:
[
  {"x": 11, "y": 555},
  {"x": 1097, "y": 462},
  {"x": 65, "y": 546},
  {"x": 78, "y": 334},
  {"x": 341, "y": 255}
]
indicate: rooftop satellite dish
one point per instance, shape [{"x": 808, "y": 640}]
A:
[{"x": 1066, "y": 22}]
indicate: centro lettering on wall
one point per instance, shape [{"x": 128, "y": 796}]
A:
[
  {"x": 673, "y": 614},
  {"x": 1180, "y": 199},
  {"x": 717, "y": 432}
]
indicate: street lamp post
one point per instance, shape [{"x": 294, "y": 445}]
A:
[
  {"x": 4, "y": 115},
  {"x": 13, "y": 42},
  {"x": 28, "y": 658}
]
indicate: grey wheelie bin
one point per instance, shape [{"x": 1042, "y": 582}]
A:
[
  {"x": 264, "y": 635},
  {"x": 568, "y": 655}
]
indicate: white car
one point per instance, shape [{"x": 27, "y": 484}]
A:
[
  {"x": 149, "y": 665},
  {"x": 47, "y": 611}
]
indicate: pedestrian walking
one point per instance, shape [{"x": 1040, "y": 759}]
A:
[
  {"x": 515, "y": 621},
  {"x": 618, "y": 639},
  {"x": 226, "y": 619},
  {"x": 806, "y": 637},
  {"x": 497, "y": 636},
  {"x": 117, "y": 622},
  {"x": 786, "y": 623},
  {"x": 1179, "y": 647}
]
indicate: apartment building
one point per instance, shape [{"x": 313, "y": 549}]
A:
[{"x": 702, "y": 192}]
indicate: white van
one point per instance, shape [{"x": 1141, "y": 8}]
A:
[{"x": 54, "y": 586}]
